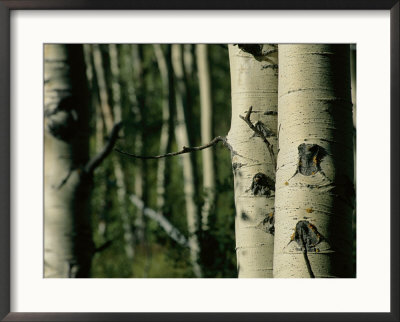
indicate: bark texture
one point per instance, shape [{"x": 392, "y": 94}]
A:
[
  {"x": 254, "y": 82},
  {"x": 67, "y": 234},
  {"x": 314, "y": 181}
]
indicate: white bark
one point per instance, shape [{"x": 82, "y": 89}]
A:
[
  {"x": 90, "y": 74},
  {"x": 101, "y": 80},
  {"x": 206, "y": 133},
  {"x": 165, "y": 138},
  {"x": 107, "y": 112},
  {"x": 118, "y": 170},
  {"x": 182, "y": 138},
  {"x": 314, "y": 180},
  {"x": 68, "y": 244},
  {"x": 254, "y": 83},
  {"x": 136, "y": 85},
  {"x": 188, "y": 60},
  {"x": 164, "y": 223}
]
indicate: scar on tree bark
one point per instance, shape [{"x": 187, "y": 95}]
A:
[
  {"x": 307, "y": 236},
  {"x": 258, "y": 130}
]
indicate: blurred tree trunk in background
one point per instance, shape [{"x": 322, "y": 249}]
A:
[
  {"x": 111, "y": 115},
  {"x": 139, "y": 114},
  {"x": 68, "y": 239},
  {"x": 166, "y": 74},
  {"x": 314, "y": 181},
  {"x": 99, "y": 130},
  {"x": 182, "y": 139},
  {"x": 206, "y": 133},
  {"x": 292, "y": 204},
  {"x": 118, "y": 168},
  {"x": 254, "y": 84}
]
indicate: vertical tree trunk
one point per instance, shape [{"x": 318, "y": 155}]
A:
[
  {"x": 118, "y": 169},
  {"x": 206, "y": 133},
  {"x": 254, "y": 83},
  {"x": 110, "y": 116},
  {"x": 182, "y": 138},
  {"x": 164, "y": 65},
  {"x": 314, "y": 182},
  {"x": 139, "y": 113},
  {"x": 99, "y": 125},
  {"x": 68, "y": 236}
]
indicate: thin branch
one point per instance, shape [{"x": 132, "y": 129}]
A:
[
  {"x": 259, "y": 133},
  {"x": 99, "y": 158},
  {"x": 185, "y": 149},
  {"x": 170, "y": 229},
  {"x": 103, "y": 246}
]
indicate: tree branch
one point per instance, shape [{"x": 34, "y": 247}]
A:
[
  {"x": 103, "y": 246},
  {"x": 99, "y": 158},
  {"x": 184, "y": 150},
  {"x": 170, "y": 229},
  {"x": 259, "y": 133}
]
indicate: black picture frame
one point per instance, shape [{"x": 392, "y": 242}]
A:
[{"x": 6, "y": 6}]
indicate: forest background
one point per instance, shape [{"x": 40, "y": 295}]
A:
[
  {"x": 137, "y": 207},
  {"x": 126, "y": 79}
]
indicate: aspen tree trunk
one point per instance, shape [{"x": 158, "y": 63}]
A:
[
  {"x": 111, "y": 115},
  {"x": 182, "y": 138},
  {"x": 314, "y": 181},
  {"x": 254, "y": 83},
  {"x": 118, "y": 169},
  {"x": 164, "y": 65},
  {"x": 188, "y": 60},
  {"x": 99, "y": 125},
  {"x": 206, "y": 133},
  {"x": 163, "y": 222},
  {"x": 137, "y": 85},
  {"x": 67, "y": 234}
]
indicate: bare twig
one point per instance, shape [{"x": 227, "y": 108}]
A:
[
  {"x": 103, "y": 246},
  {"x": 259, "y": 133},
  {"x": 99, "y": 158},
  {"x": 185, "y": 149}
]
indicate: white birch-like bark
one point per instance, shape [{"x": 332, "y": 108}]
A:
[
  {"x": 99, "y": 122},
  {"x": 114, "y": 114},
  {"x": 206, "y": 133},
  {"x": 188, "y": 60},
  {"x": 164, "y": 223},
  {"x": 314, "y": 180},
  {"x": 68, "y": 244},
  {"x": 254, "y": 83},
  {"x": 101, "y": 81},
  {"x": 182, "y": 138},
  {"x": 137, "y": 87},
  {"x": 166, "y": 129},
  {"x": 118, "y": 170}
]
